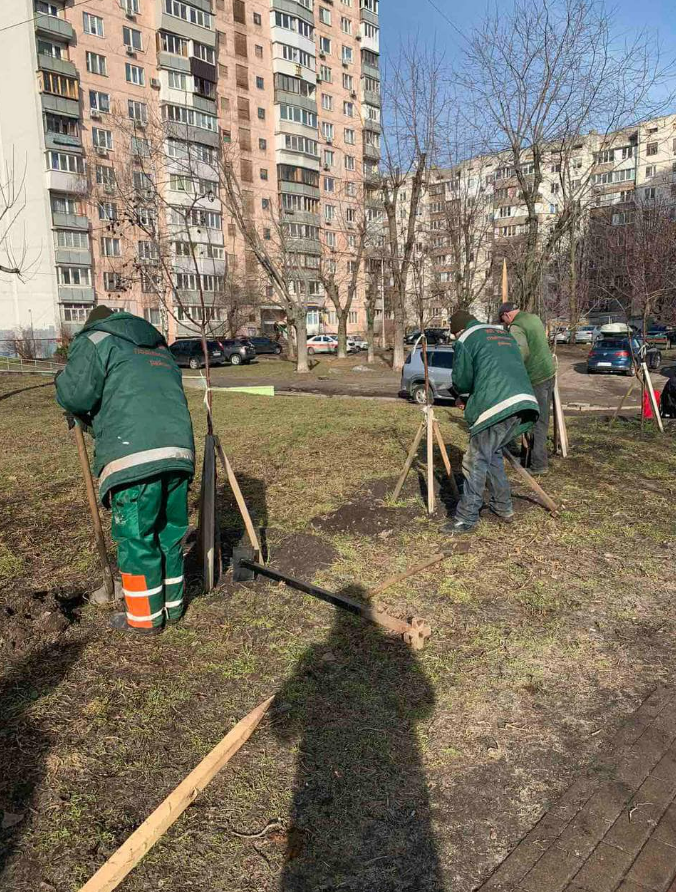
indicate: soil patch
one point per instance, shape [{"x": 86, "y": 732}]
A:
[
  {"x": 303, "y": 555},
  {"x": 30, "y": 621}
]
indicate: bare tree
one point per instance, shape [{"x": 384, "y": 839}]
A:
[
  {"x": 14, "y": 253},
  {"x": 416, "y": 99},
  {"x": 540, "y": 76}
]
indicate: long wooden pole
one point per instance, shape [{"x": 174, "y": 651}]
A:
[
  {"x": 623, "y": 401},
  {"x": 549, "y": 503},
  {"x": 505, "y": 281},
  {"x": 413, "y": 451},
  {"x": 559, "y": 419},
  {"x": 430, "y": 459},
  {"x": 94, "y": 511},
  {"x": 121, "y": 862},
  {"x": 239, "y": 498},
  {"x": 651, "y": 396},
  {"x": 446, "y": 460}
]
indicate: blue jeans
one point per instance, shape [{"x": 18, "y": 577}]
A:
[{"x": 484, "y": 462}]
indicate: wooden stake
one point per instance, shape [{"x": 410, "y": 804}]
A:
[
  {"x": 413, "y": 451},
  {"x": 94, "y": 511},
  {"x": 121, "y": 862},
  {"x": 239, "y": 498},
  {"x": 651, "y": 397},
  {"x": 446, "y": 460},
  {"x": 505, "y": 282},
  {"x": 430, "y": 460},
  {"x": 208, "y": 546},
  {"x": 559, "y": 420},
  {"x": 549, "y": 503},
  {"x": 461, "y": 548},
  {"x": 630, "y": 390}
]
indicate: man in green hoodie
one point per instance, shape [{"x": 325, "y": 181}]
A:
[
  {"x": 122, "y": 381},
  {"x": 492, "y": 382},
  {"x": 530, "y": 335}
]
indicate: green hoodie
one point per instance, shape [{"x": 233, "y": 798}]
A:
[
  {"x": 531, "y": 337},
  {"x": 122, "y": 378}
]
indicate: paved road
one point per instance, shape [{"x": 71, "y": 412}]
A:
[{"x": 352, "y": 377}]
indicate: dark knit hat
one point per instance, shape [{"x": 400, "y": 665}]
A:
[
  {"x": 460, "y": 320},
  {"x": 508, "y": 307},
  {"x": 99, "y": 313}
]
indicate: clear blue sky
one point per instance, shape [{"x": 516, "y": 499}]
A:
[{"x": 407, "y": 17}]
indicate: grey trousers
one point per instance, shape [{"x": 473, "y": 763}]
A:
[{"x": 543, "y": 394}]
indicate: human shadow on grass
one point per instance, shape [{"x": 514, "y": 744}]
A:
[
  {"x": 6, "y": 396},
  {"x": 25, "y": 742},
  {"x": 361, "y": 814}
]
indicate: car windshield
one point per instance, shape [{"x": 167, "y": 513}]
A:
[{"x": 611, "y": 344}]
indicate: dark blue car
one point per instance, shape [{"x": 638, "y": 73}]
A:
[{"x": 613, "y": 354}]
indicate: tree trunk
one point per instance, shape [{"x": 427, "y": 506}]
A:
[
  {"x": 342, "y": 333},
  {"x": 573, "y": 310},
  {"x": 300, "y": 327},
  {"x": 370, "y": 336},
  {"x": 399, "y": 308}
]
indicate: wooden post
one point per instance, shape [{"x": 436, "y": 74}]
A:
[
  {"x": 94, "y": 511},
  {"x": 559, "y": 420},
  {"x": 446, "y": 460},
  {"x": 121, "y": 862},
  {"x": 209, "y": 548},
  {"x": 413, "y": 451},
  {"x": 548, "y": 503},
  {"x": 623, "y": 401},
  {"x": 239, "y": 498},
  {"x": 505, "y": 281},
  {"x": 460, "y": 548},
  {"x": 430, "y": 459},
  {"x": 651, "y": 397}
]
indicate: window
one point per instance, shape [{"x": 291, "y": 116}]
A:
[
  {"x": 345, "y": 25},
  {"x": 293, "y": 54},
  {"x": 265, "y": 204},
  {"x": 177, "y": 80},
  {"x": 96, "y": 64},
  {"x": 203, "y": 52},
  {"x": 324, "y": 15},
  {"x": 258, "y": 51},
  {"x": 349, "y": 162},
  {"x": 651, "y": 170},
  {"x": 292, "y": 23},
  {"x": 261, "y": 114},
  {"x": 76, "y": 312},
  {"x": 205, "y": 88},
  {"x": 553, "y": 208},
  {"x": 257, "y": 20},
  {"x": 152, "y": 315},
  {"x": 55, "y": 50},
  {"x": 74, "y": 276},
  {"x": 110, "y": 247},
  {"x": 327, "y": 102},
  {"x": 349, "y": 136},
  {"x": 147, "y": 250},
  {"x": 171, "y": 43},
  {"x": 92, "y": 24},
  {"x": 134, "y": 74},
  {"x": 178, "y": 183},
  {"x": 113, "y": 281},
  {"x": 131, "y": 38},
  {"x": 297, "y": 114},
  {"x": 264, "y": 173},
  {"x": 330, "y": 238},
  {"x": 59, "y": 85},
  {"x": 649, "y": 193},
  {"x": 138, "y": 111},
  {"x": 73, "y": 241},
  {"x": 347, "y": 54},
  {"x": 260, "y": 82},
  {"x": 326, "y": 74},
  {"x": 131, "y": 6},
  {"x": 348, "y": 109},
  {"x": 327, "y": 130},
  {"x": 188, "y": 13},
  {"x": 329, "y": 213},
  {"x": 102, "y": 139},
  {"x": 351, "y": 190},
  {"x": 294, "y": 85},
  {"x": 350, "y": 215},
  {"x": 303, "y": 144},
  {"x": 63, "y": 204},
  {"x": 107, "y": 210},
  {"x": 105, "y": 176},
  {"x": 262, "y": 144},
  {"x": 329, "y": 157},
  {"x": 61, "y": 124},
  {"x": 651, "y": 148},
  {"x": 324, "y": 45},
  {"x": 183, "y": 115},
  {"x": 348, "y": 82},
  {"x": 329, "y": 184},
  {"x": 64, "y": 161},
  {"x": 239, "y": 11},
  {"x": 45, "y": 8}
]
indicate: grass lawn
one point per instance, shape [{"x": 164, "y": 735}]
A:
[{"x": 379, "y": 769}]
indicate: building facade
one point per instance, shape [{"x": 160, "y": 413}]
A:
[{"x": 289, "y": 90}]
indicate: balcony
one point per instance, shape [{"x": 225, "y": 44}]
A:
[
  {"x": 76, "y": 295},
  {"x": 70, "y": 221},
  {"x": 371, "y": 152},
  {"x": 175, "y": 25},
  {"x": 63, "y": 181},
  {"x": 68, "y": 257},
  {"x": 366, "y": 15},
  {"x": 371, "y": 98},
  {"x": 60, "y": 105},
  {"x": 60, "y": 66},
  {"x": 51, "y": 27}
]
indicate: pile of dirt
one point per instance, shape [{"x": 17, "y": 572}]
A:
[
  {"x": 303, "y": 555},
  {"x": 31, "y": 620}
]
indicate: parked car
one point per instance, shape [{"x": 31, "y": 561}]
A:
[
  {"x": 188, "y": 352},
  {"x": 352, "y": 346},
  {"x": 265, "y": 345},
  {"x": 322, "y": 344},
  {"x": 586, "y": 334},
  {"x": 440, "y": 370},
  {"x": 361, "y": 343},
  {"x": 613, "y": 354},
  {"x": 433, "y": 336},
  {"x": 238, "y": 351}
]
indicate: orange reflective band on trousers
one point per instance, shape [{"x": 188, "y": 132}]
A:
[{"x": 137, "y": 601}]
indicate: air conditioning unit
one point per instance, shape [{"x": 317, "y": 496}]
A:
[
  {"x": 155, "y": 83},
  {"x": 329, "y": 141},
  {"x": 95, "y": 115},
  {"x": 353, "y": 94},
  {"x": 345, "y": 65},
  {"x": 101, "y": 150},
  {"x": 131, "y": 51},
  {"x": 319, "y": 80},
  {"x": 327, "y": 167},
  {"x": 322, "y": 55},
  {"x": 109, "y": 189}
]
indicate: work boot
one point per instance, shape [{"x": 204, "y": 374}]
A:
[
  {"x": 508, "y": 518},
  {"x": 457, "y": 528},
  {"x": 118, "y": 621}
]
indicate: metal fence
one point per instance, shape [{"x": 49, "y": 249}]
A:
[{"x": 29, "y": 366}]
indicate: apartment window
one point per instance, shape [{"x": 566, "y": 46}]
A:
[
  {"x": 553, "y": 208},
  {"x": 131, "y": 38},
  {"x": 324, "y": 15},
  {"x": 188, "y": 13},
  {"x": 59, "y": 85},
  {"x": 63, "y": 204},
  {"x": 257, "y": 20},
  {"x": 178, "y": 183},
  {"x": 651, "y": 170},
  {"x": 260, "y": 82},
  {"x": 111, "y": 247},
  {"x": 147, "y": 250},
  {"x": 649, "y": 193},
  {"x": 345, "y": 25},
  {"x": 293, "y": 54},
  {"x": 72, "y": 240},
  {"x": 264, "y": 173},
  {"x": 105, "y": 176},
  {"x": 64, "y": 161},
  {"x": 261, "y": 114},
  {"x": 205, "y": 88},
  {"x": 75, "y": 312},
  {"x": 329, "y": 213},
  {"x": 96, "y": 64},
  {"x": 349, "y": 136},
  {"x": 350, "y": 215},
  {"x": 265, "y": 204},
  {"x": 554, "y": 188},
  {"x": 292, "y": 23},
  {"x": 74, "y": 276},
  {"x": 324, "y": 45},
  {"x": 346, "y": 2},
  {"x": 183, "y": 115},
  {"x": 351, "y": 190},
  {"x": 297, "y": 114},
  {"x": 113, "y": 281},
  {"x": 239, "y": 11},
  {"x": 55, "y": 50},
  {"x": 330, "y": 238},
  {"x": 258, "y": 51},
  {"x": 326, "y": 74},
  {"x": 177, "y": 80},
  {"x": 131, "y": 6},
  {"x": 349, "y": 162},
  {"x": 327, "y": 102},
  {"x": 134, "y": 74},
  {"x": 107, "y": 210},
  {"x": 61, "y": 124},
  {"x": 651, "y": 148},
  {"x": 243, "y": 109},
  {"x": 92, "y": 24},
  {"x": 303, "y": 144},
  {"x": 262, "y": 144},
  {"x": 371, "y": 5},
  {"x": 102, "y": 139},
  {"x": 138, "y": 111},
  {"x": 171, "y": 43},
  {"x": 347, "y": 55},
  {"x": 327, "y": 130},
  {"x": 329, "y": 157},
  {"x": 45, "y": 8},
  {"x": 203, "y": 52},
  {"x": 348, "y": 82},
  {"x": 348, "y": 109},
  {"x": 152, "y": 315}
]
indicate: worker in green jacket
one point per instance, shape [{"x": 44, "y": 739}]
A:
[
  {"x": 492, "y": 383},
  {"x": 123, "y": 382},
  {"x": 530, "y": 335}
]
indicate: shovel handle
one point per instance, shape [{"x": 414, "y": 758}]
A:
[{"x": 94, "y": 511}]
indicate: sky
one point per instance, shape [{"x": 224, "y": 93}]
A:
[{"x": 400, "y": 18}]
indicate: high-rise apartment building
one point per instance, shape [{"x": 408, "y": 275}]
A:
[{"x": 288, "y": 89}]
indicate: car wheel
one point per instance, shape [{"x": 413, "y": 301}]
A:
[
  {"x": 418, "y": 394},
  {"x": 656, "y": 361},
  {"x": 277, "y": 351},
  {"x": 311, "y": 351},
  {"x": 194, "y": 363},
  {"x": 235, "y": 359},
  {"x": 630, "y": 372}
]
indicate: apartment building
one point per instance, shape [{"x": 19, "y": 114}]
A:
[{"x": 288, "y": 90}]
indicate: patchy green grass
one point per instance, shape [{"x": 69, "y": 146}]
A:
[{"x": 546, "y": 631}]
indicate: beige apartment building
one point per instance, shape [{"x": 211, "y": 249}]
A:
[{"x": 288, "y": 90}]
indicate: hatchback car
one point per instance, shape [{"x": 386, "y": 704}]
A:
[
  {"x": 238, "y": 351},
  {"x": 613, "y": 354},
  {"x": 322, "y": 344},
  {"x": 433, "y": 336},
  {"x": 188, "y": 352},
  {"x": 265, "y": 345},
  {"x": 440, "y": 371}
]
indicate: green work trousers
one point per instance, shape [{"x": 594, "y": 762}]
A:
[{"x": 150, "y": 519}]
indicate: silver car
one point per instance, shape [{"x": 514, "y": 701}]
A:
[{"x": 440, "y": 367}]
